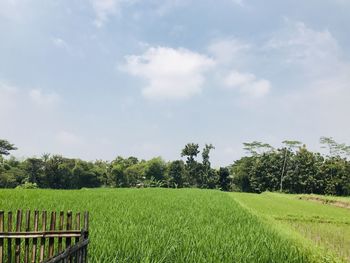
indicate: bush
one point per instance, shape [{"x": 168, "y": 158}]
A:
[{"x": 28, "y": 185}]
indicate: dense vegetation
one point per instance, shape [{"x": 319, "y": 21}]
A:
[
  {"x": 294, "y": 169},
  {"x": 168, "y": 225},
  {"x": 291, "y": 168}
]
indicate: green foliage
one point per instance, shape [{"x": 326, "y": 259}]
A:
[
  {"x": 6, "y": 147},
  {"x": 256, "y": 148},
  {"x": 292, "y": 168},
  {"x": 166, "y": 225},
  {"x": 191, "y": 151},
  {"x": 27, "y": 185},
  {"x": 176, "y": 174},
  {"x": 300, "y": 171}
]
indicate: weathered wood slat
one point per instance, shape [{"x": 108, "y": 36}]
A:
[
  {"x": 77, "y": 239},
  {"x": 86, "y": 228},
  {"x": 43, "y": 239},
  {"x": 68, "y": 252},
  {"x": 26, "y": 241},
  {"x": 41, "y": 234},
  {"x": 35, "y": 239},
  {"x": 60, "y": 227},
  {"x": 51, "y": 239},
  {"x": 73, "y": 229},
  {"x": 9, "y": 241},
  {"x": 2, "y": 219},
  {"x": 69, "y": 227},
  {"x": 18, "y": 240}
]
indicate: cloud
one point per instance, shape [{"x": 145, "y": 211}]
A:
[
  {"x": 319, "y": 100},
  {"x": 247, "y": 83},
  {"x": 317, "y": 52},
  {"x": 43, "y": 99},
  {"x": 228, "y": 50},
  {"x": 104, "y": 9},
  {"x": 170, "y": 73}
]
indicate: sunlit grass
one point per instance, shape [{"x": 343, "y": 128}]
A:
[
  {"x": 327, "y": 226},
  {"x": 164, "y": 225}
]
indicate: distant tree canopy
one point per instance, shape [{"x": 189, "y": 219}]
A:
[
  {"x": 294, "y": 169},
  {"x": 291, "y": 169}
]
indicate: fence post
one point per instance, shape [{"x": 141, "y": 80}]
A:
[
  {"x": 43, "y": 240},
  {"x": 35, "y": 240},
  {"x": 18, "y": 240},
  {"x": 1, "y": 239},
  {"x": 26, "y": 241},
  {"x": 9, "y": 241}
]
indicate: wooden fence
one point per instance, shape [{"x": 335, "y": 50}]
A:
[{"x": 64, "y": 239}]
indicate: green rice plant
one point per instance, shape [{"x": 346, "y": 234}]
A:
[
  {"x": 166, "y": 225},
  {"x": 326, "y": 226}
]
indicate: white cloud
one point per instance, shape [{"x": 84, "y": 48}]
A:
[
  {"x": 104, "y": 9},
  {"x": 320, "y": 102},
  {"x": 317, "y": 52},
  {"x": 43, "y": 99},
  {"x": 228, "y": 50},
  {"x": 170, "y": 73},
  {"x": 247, "y": 83}
]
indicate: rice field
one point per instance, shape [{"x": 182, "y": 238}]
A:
[
  {"x": 327, "y": 226},
  {"x": 168, "y": 225}
]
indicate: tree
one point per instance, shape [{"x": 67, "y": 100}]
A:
[
  {"x": 289, "y": 146},
  {"x": 191, "y": 151},
  {"x": 34, "y": 169},
  {"x": 6, "y": 147},
  {"x": 192, "y": 167},
  {"x": 205, "y": 154},
  {"x": 256, "y": 148},
  {"x": 176, "y": 173},
  {"x": 155, "y": 168},
  {"x": 334, "y": 148},
  {"x": 224, "y": 179}
]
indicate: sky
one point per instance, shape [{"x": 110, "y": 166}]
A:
[{"x": 94, "y": 79}]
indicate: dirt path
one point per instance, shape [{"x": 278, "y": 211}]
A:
[{"x": 336, "y": 203}]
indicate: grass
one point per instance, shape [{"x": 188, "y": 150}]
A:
[
  {"x": 327, "y": 226},
  {"x": 166, "y": 225}
]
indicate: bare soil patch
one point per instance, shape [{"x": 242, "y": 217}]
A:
[{"x": 325, "y": 201}]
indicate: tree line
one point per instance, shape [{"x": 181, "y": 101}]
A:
[
  {"x": 291, "y": 168},
  {"x": 58, "y": 172}
]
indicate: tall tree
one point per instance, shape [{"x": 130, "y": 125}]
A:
[
  {"x": 334, "y": 148},
  {"x": 288, "y": 147},
  {"x": 190, "y": 151},
  {"x": 205, "y": 154},
  {"x": 176, "y": 173},
  {"x": 224, "y": 179},
  {"x": 256, "y": 148},
  {"x": 6, "y": 147},
  {"x": 193, "y": 168}
]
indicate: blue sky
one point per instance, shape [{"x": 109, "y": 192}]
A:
[{"x": 100, "y": 78}]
